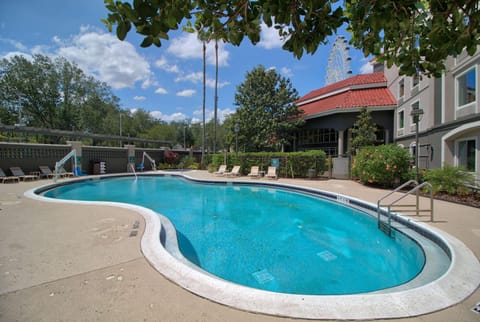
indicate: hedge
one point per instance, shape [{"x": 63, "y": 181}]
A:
[{"x": 291, "y": 164}]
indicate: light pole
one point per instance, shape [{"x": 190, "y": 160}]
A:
[
  {"x": 120, "y": 129},
  {"x": 416, "y": 114},
  {"x": 184, "y": 140},
  {"x": 236, "y": 128}
]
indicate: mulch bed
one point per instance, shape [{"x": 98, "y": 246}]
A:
[{"x": 472, "y": 199}]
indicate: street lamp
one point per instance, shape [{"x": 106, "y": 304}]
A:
[
  {"x": 184, "y": 143},
  {"x": 416, "y": 114},
  {"x": 120, "y": 128},
  {"x": 236, "y": 128}
]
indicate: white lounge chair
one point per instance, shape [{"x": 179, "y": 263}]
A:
[
  {"x": 221, "y": 170},
  {"x": 254, "y": 173},
  {"x": 234, "y": 173},
  {"x": 271, "y": 173}
]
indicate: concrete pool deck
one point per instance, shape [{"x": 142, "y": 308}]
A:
[{"x": 83, "y": 263}]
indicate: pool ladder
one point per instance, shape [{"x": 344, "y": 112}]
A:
[{"x": 386, "y": 225}]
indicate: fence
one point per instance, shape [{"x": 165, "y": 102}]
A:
[{"x": 30, "y": 156}]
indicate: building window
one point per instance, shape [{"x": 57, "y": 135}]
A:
[
  {"x": 401, "y": 119},
  {"x": 415, "y": 80},
  {"x": 317, "y": 136},
  {"x": 467, "y": 154},
  {"x": 467, "y": 88},
  {"x": 401, "y": 88}
]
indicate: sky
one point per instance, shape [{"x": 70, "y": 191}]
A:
[{"x": 165, "y": 81}]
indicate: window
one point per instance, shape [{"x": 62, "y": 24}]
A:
[
  {"x": 466, "y": 154},
  {"x": 401, "y": 119},
  {"x": 467, "y": 88},
  {"x": 415, "y": 80},
  {"x": 317, "y": 136},
  {"x": 401, "y": 88}
]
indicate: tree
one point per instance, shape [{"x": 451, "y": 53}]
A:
[
  {"x": 417, "y": 36},
  {"x": 184, "y": 134},
  {"x": 266, "y": 114},
  {"x": 53, "y": 93},
  {"x": 363, "y": 130}
]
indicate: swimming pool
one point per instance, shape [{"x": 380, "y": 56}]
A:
[
  {"x": 268, "y": 238},
  {"x": 430, "y": 291}
]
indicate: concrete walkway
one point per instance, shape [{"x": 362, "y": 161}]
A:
[{"x": 61, "y": 262}]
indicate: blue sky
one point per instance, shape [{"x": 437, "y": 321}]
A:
[{"x": 165, "y": 81}]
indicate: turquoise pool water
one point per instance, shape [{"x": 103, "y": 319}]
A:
[{"x": 267, "y": 238}]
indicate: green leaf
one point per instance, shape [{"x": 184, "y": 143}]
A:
[
  {"x": 147, "y": 42},
  {"x": 122, "y": 30}
]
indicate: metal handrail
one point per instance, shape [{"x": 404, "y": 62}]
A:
[{"x": 414, "y": 189}]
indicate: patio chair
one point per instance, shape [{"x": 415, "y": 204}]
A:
[
  {"x": 221, "y": 170},
  {"x": 234, "y": 173},
  {"x": 64, "y": 174},
  {"x": 18, "y": 172},
  {"x": 45, "y": 172},
  {"x": 271, "y": 173},
  {"x": 4, "y": 178},
  {"x": 254, "y": 173}
]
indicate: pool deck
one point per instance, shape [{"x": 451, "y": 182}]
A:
[{"x": 63, "y": 262}]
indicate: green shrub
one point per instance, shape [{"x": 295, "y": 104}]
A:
[
  {"x": 449, "y": 179},
  {"x": 296, "y": 164},
  {"x": 385, "y": 165}
]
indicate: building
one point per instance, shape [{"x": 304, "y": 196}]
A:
[
  {"x": 331, "y": 111},
  {"x": 449, "y": 128}
]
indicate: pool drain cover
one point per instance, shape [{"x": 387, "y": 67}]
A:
[
  {"x": 263, "y": 276},
  {"x": 476, "y": 308},
  {"x": 327, "y": 256}
]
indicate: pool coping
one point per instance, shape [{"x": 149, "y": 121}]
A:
[{"x": 459, "y": 282}]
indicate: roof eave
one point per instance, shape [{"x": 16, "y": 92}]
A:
[{"x": 343, "y": 110}]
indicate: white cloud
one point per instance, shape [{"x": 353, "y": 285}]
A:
[
  {"x": 366, "y": 68},
  {"x": 209, "y": 114},
  {"x": 286, "y": 71},
  {"x": 163, "y": 64},
  {"x": 161, "y": 91},
  {"x": 139, "y": 98},
  {"x": 16, "y": 44},
  {"x": 168, "y": 118},
  {"x": 192, "y": 77},
  {"x": 198, "y": 77},
  {"x": 269, "y": 38},
  {"x": 12, "y": 54},
  {"x": 187, "y": 46},
  {"x": 149, "y": 82},
  {"x": 112, "y": 61},
  {"x": 186, "y": 93},
  {"x": 211, "y": 83}
]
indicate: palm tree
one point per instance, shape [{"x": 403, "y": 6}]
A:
[
  {"x": 216, "y": 99},
  {"x": 203, "y": 99}
]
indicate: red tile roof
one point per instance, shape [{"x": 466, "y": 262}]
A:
[{"x": 366, "y": 90}]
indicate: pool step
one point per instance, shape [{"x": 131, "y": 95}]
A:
[{"x": 385, "y": 227}]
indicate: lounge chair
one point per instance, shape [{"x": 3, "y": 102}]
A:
[
  {"x": 4, "y": 178},
  {"x": 271, "y": 173},
  {"x": 234, "y": 173},
  {"x": 45, "y": 172},
  {"x": 64, "y": 174},
  {"x": 254, "y": 173},
  {"x": 221, "y": 170},
  {"x": 18, "y": 172}
]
